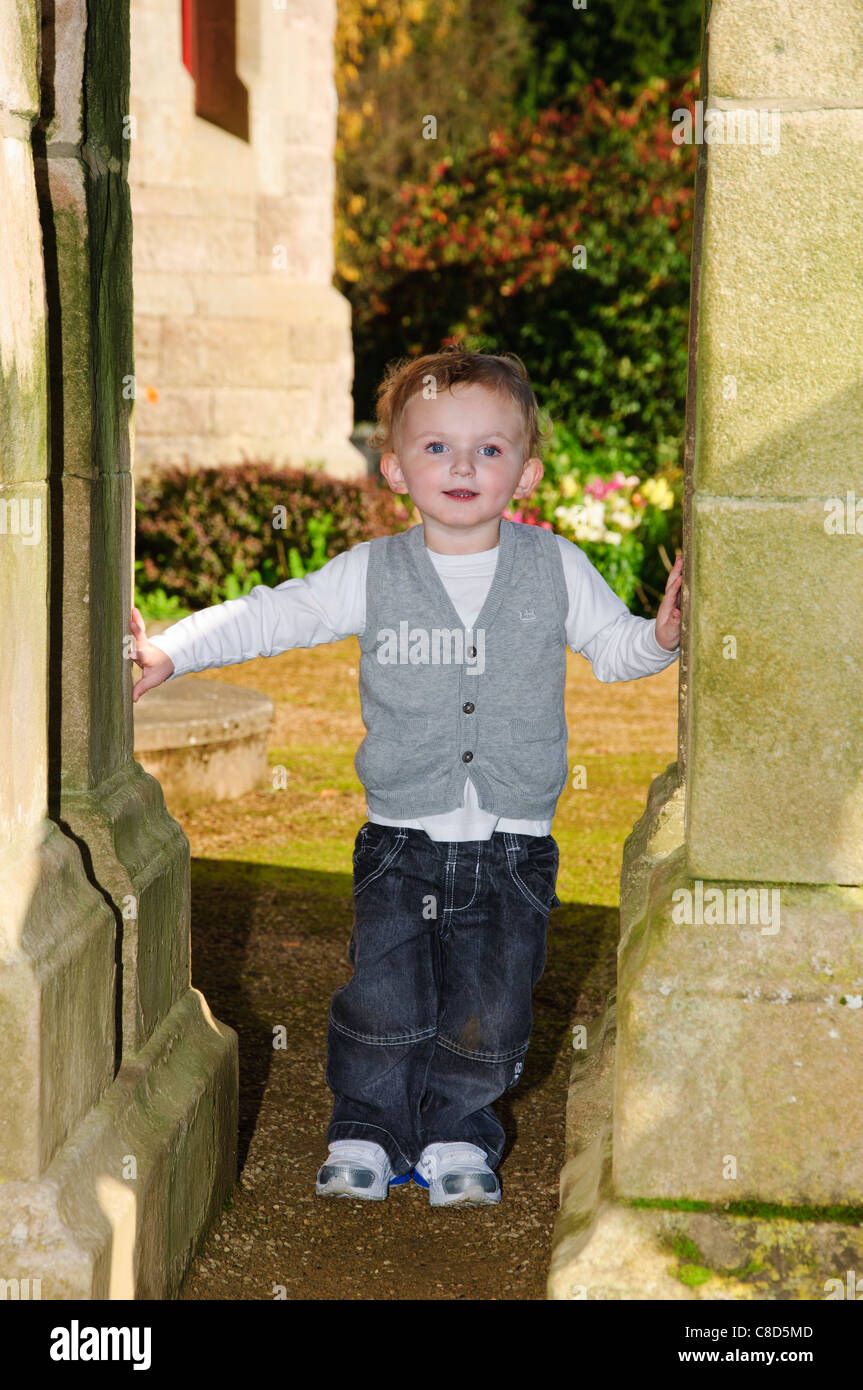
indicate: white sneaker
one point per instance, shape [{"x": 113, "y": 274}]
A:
[
  {"x": 457, "y": 1173},
  {"x": 357, "y": 1168}
]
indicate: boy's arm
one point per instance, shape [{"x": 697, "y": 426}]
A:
[
  {"x": 618, "y": 645},
  {"x": 325, "y": 606}
]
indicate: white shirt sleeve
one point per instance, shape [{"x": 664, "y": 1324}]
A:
[
  {"x": 325, "y": 606},
  {"x": 618, "y": 645}
]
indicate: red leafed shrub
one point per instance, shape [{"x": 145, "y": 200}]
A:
[{"x": 196, "y": 530}]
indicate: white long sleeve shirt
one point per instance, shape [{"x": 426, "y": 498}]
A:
[{"x": 329, "y": 605}]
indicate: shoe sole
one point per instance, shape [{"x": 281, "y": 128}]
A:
[
  {"x": 477, "y": 1198},
  {"x": 340, "y": 1187},
  {"x": 464, "y": 1199}
]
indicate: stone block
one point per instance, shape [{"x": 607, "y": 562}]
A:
[
  {"x": 172, "y": 145},
  {"x": 158, "y": 294},
  {"x": 68, "y": 20},
  {"x": 776, "y": 52},
  {"x": 195, "y": 200},
  {"x": 19, "y": 60},
  {"x": 781, "y": 313},
  {"x": 57, "y": 979},
  {"x": 320, "y": 342},
  {"x": 773, "y": 780},
  {"x": 304, "y": 228},
  {"x": 224, "y": 352},
  {"x": 91, "y": 1227},
  {"x": 257, "y": 412},
  {"x": 182, "y": 245},
  {"x": 658, "y": 833},
  {"x": 23, "y": 416},
  {"x": 270, "y": 295},
  {"x": 172, "y": 411},
  {"x": 739, "y": 1044}
]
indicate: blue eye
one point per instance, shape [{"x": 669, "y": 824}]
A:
[
  {"x": 435, "y": 445},
  {"x": 492, "y": 446}
]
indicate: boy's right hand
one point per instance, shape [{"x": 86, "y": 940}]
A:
[{"x": 155, "y": 664}]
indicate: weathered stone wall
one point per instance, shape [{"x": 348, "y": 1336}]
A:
[
  {"x": 739, "y": 1003},
  {"x": 243, "y": 345},
  {"x": 740, "y": 1035},
  {"x": 119, "y": 1096}
]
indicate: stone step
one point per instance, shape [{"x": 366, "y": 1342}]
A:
[{"x": 203, "y": 740}]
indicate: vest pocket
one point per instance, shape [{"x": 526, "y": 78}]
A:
[{"x": 535, "y": 730}]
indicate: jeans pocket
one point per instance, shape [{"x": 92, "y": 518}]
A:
[
  {"x": 379, "y": 849},
  {"x": 533, "y": 869}
]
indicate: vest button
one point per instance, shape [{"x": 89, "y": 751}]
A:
[
  {"x": 466, "y": 757},
  {"x": 468, "y": 708},
  {"x": 471, "y": 651}
]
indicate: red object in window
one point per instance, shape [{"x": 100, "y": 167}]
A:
[
  {"x": 187, "y": 36},
  {"x": 210, "y": 56}
]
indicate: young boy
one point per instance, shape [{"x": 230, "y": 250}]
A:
[{"x": 463, "y": 625}]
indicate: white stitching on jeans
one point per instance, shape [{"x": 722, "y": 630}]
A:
[
  {"x": 483, "y": 1056},
  {"x": 400, "y": 839},
  {"x": 466, "y": 905},
  {"x": 386, "y": 1041}
]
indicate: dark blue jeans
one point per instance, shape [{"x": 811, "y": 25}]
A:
[{"x": 449, "y": 940}]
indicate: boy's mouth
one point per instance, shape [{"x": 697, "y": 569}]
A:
[{"x": 461, "y": 494}]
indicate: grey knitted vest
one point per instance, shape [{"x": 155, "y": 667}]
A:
[{"x": 441, "y": 703}]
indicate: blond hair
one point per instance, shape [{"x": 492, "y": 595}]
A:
[{"x": 407, "y": 376}]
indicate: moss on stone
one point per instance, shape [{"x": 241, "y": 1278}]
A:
[
  {"x": 766, "y": 1210},
  {"x": 692, "y": 1275}
]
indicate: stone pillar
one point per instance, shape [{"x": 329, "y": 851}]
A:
[
  {"x": 740, "y": 1031},
  {"x": 119, "y": 1099}
]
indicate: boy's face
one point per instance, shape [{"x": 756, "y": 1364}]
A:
[{"x": 461, "y": 458}]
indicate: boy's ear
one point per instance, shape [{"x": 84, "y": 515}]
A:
[
  {"x": 530, "y": 476},
  {"x": 392, "y": 472}
]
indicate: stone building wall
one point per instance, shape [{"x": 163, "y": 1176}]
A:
[{"x": 243, "y": 346}]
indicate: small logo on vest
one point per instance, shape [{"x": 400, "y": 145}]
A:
[
  {"x": 527, "y": 615},
  {"x": 419, "y": 646}
]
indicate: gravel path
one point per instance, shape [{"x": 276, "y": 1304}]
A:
[{"x": 275, "y": 1231}]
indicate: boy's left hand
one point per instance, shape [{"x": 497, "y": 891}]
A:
[{"x": 668, "y": 618}]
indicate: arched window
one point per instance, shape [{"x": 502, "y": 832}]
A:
[{"x": 210, "y": 55}]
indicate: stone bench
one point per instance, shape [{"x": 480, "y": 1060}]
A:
[{"x": 203, "y": 740}]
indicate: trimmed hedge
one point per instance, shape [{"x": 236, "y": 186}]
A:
[{"x": 198, "y": 533}]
